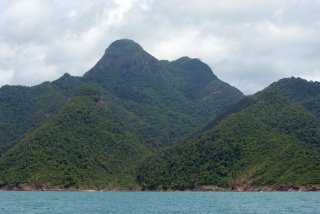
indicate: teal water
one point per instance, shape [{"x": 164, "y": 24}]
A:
[{"x": 159, "y": 202}]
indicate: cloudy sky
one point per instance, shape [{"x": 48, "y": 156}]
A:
[{"x": 247, "y": 43}]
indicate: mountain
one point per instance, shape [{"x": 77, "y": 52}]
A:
[
  {"x": 134, "y": 121},
  {"x": 83, "y": 145},
  {"x": 267, "y": 141},
  {"x": 161, "y": 102},
  {"x": 306, "y": 93}
]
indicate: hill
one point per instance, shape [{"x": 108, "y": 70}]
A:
[
  {"x": 298, "y": 90},
  {"x": 83, "y": 145},
  {"x": 306, "y": 93},
  {"x": 271, "y": 142}
]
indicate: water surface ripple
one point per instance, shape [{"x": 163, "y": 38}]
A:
[{"x": 159, "y": 202}]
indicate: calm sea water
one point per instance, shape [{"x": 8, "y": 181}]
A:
[{"x": 159, "y": 202}]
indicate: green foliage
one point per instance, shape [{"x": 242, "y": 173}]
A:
[
  {"x": 82, "y": 146},
  {"x": 23, "y": 108},
  {"x": 270, "y": 142},
  {"x": 287, "y": 117},
  {"x": 67, "y": 84},
  {"x": 191, "y": 76},
  {"x": 244, "y": 103},
  {"x": 88, "y": 92},
  {"x": 306, "y": 93}
]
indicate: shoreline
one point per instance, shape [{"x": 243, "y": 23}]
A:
[{"x": 280, "y": 188}]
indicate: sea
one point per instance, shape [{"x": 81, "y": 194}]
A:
[{"x": 158, "y": 202}]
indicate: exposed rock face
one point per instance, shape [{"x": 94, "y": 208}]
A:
[
  {"x": 281, "y": 188},
  {"x": 284, "y": 187}
]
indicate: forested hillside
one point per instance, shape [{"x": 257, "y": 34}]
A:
[
  {"x": 22, "y": 108},
  {"x": 84, "y": 145},
  {"x": 303, "y": 92},
  {"x": 271, "y": 142},
  {"x": 306, "y": 93}
]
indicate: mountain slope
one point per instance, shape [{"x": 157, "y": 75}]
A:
[
  {"x": 67, "y": 85},
  {"x": 306, "y": 93},
  {"x": 171, "y": 99},
  {"x": 24, "y": 107},
  {"x": 82, "y": 146},
  {"x": 271, "y": 142}
]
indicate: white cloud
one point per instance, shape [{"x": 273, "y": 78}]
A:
[
  {"x": 21, "y": 20},
  {"x": 29, "y": 65},
  {"x": 250, "y": 44},
  {"x": 6, "y": 76}
]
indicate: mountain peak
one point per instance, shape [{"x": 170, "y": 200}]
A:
[
  {"x": 124, "y": 45},
  {"x": 194, "y": 67}
]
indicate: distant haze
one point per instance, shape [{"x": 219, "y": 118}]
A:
[{"x": 248, "y": 44}]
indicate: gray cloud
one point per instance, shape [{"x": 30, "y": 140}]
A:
[{"x": 248, "y": 43}]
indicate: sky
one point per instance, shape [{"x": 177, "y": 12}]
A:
[{"x": 247, "y": 43}]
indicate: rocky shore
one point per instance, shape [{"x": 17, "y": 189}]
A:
[
  {"x": 61, "y": 188},
  {"x": 283, "y": 188}
]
